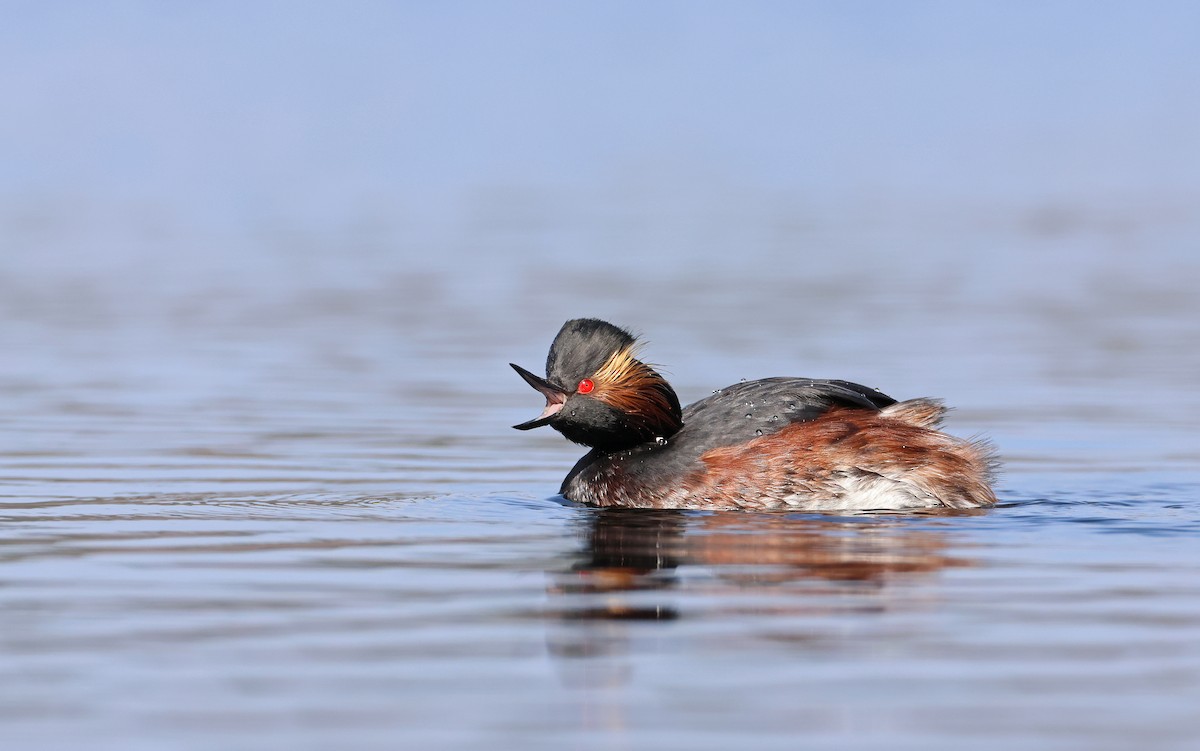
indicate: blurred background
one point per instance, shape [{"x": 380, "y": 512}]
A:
[{"x": 991, "y": 202}]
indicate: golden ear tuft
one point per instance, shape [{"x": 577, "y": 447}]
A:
[
  {"x": 619, "y": 369},
  {"x": 636, "y": 389}
]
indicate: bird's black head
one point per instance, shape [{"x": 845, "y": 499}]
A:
[{"x": 599, "y": 394}]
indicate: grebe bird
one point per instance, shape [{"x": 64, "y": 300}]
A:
[{"x": 778, "y": 443}]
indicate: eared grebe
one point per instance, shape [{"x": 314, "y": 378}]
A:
[{"x": 777, "y": 443}]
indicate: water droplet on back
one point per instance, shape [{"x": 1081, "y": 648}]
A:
[
  {"x": 749, "y": 415},
  {"x": 660, "y": 440},
  {"x": 758, "y": 432}
]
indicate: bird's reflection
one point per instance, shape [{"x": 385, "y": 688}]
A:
[{"x": 639, "y": 565}]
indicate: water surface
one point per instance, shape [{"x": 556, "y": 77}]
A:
[{"x": 280, "y": 506}]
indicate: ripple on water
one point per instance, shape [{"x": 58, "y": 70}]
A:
[{"x": 286, "y": 519}]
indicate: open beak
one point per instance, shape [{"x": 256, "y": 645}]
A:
[{"x": 554, "y": 398}]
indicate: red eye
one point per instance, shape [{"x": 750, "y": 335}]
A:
[{"x": 586, "y": 386}]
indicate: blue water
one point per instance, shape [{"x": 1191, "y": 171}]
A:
[
  {"x": 292, "y": 514},
  {"x": 262, "y": 273}
]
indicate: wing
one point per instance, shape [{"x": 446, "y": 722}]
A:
[
  {"x": 751, "y": 409},
  {"x": 772, "y": 403}
]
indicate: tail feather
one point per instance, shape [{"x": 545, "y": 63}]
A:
[
  {"x": 921, "y": 413},
  {"x": 963, "y": 477}
]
